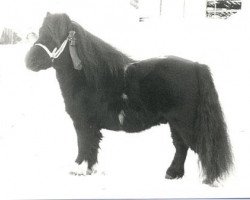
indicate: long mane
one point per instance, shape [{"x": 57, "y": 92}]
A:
[{"x": 101, "y": 62}]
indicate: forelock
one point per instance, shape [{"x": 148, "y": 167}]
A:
[{"x": 57, "y": 25}]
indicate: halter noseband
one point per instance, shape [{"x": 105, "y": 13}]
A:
[
  {"x": 72, "y": 49},
  {"x": 56, "y": 52}
]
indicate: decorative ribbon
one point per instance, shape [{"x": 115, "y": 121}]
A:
[{"x": 72, "y": 50}]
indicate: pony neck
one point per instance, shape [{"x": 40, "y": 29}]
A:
[{"x": 100, "y": 60}]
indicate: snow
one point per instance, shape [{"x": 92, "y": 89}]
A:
[{"x": 38, "y": 141}]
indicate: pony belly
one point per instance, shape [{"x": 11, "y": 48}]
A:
[
  {"x": 112, "y": 122},
  {"x": 138, "y": 123},
  {"x": 134, "y": 120},
  {"x": 131, "y": 120}
]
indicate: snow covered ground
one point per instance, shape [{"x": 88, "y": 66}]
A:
[{"x": 38, "y": 142}]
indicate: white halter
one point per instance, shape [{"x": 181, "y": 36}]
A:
[
  {"x": 56, "y": 52},
  {"x": 72, "y": 50}
]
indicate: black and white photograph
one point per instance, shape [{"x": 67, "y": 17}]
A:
[{"x": 124, "y": 99}]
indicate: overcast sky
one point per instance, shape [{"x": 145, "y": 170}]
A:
[{"x": 28, "y": 14}]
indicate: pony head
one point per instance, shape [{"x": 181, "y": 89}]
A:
[
  {"x": 51, "y": 43},
  {"x": 66, "y": 46}
]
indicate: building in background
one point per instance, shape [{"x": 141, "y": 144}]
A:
[
  {"x": 222, "y": 8},
  {"x": 188, "y": 9},
  {"x": 169, "y": 9}
]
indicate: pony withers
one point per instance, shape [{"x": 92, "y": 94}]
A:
[{"x": 105, "y": 89}]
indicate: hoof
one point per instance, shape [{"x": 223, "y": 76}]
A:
[
  {"x": 211, "y": 183},
  {"x": 168, "y": 177},
  {"x": 80, "y": 170},
  {"x": 174, "y": 174}
]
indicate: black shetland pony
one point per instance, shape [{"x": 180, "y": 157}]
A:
[{"x": 104, "y": 89}]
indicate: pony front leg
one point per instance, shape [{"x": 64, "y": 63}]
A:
[{"x": 88, "y": 139}]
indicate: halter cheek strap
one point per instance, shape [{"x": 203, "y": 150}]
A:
[{"x": 72, "y": 49}]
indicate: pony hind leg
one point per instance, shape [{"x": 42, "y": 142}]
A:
[{"x": 176, "y": 169}]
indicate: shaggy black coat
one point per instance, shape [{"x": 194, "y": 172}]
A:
[{"x": 114, "y": 92}]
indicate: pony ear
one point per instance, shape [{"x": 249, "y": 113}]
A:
[
  {"x": 66, "y": 16},
  {"x": 70, "y": 25},
  {"x": 48, "y": 14}
]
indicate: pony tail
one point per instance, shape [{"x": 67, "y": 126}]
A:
[{"x": 213, "y": 145}]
